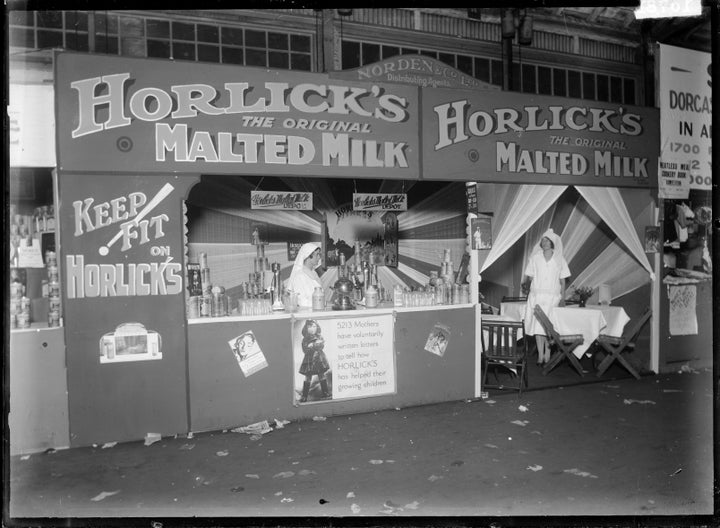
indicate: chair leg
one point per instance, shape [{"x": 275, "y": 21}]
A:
[
  {"x": 554, "y": 360},
  {"x": 575, "y": 363}
]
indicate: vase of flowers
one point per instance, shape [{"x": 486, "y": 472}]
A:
[{"x": 582, "y": 294}]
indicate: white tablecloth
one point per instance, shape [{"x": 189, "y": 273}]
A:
[
  {"x": 513, "y": 310},
  {"x": 590, "y": 321}
]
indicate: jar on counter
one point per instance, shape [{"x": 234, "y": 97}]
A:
[
  {"x": 371, "y": 297},
  {"x": 219, "y": 302},
  {"x": 397, "y": 295},
  {"x": 318, "y": 299}
]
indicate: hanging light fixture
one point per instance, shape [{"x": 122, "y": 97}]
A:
[
  {"x": 525, "y": 32},
  {"x": 508, "y": 23}
]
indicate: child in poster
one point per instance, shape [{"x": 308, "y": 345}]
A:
[{"x": 314, "y": 362}]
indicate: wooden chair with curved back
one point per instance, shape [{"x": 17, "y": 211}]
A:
[
  {"x": 563, "y": 344},
  {"x": 503, "y": 348}
]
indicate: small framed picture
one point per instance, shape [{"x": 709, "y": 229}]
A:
[{"x": 481, "y": 232}]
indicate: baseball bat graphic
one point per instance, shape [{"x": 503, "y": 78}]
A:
[{"x": 152, "y": 204}]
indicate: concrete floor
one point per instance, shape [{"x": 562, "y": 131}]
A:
[{"x": 615, "y": 447}]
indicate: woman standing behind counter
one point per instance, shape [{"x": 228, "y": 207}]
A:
[
  {"x": 548, "y": 270},
  {"x": 303, "y": 278}
]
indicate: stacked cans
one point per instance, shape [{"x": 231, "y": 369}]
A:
[
  {"x": 54, "y": 303},
  {"x": 19, "y": 304}
]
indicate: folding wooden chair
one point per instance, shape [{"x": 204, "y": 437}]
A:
[
  {"x": 502, "y": 349},
  {"x": 615, "y": 346},
  {"x": 564, "y": 344}
]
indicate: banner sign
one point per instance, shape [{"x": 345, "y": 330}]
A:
[
  {"x": 338, "y": 358},
  {"x": 379, "y": 202},
  {"x": 521, "y": 138},
  {"x": 124, "y": 114},
  {"x": 293, "y": 201},
  {"x": 686, "y": 112},
  {"x": 416, "y": 70}
]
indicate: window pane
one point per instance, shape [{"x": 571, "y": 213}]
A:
[
  {"x": 158, "y": 28},
  {"x": 603, "y": 88},
  {"x": 231, "y": 36},
  {"x": 278, "y": 41},
  {"x": 76, "y": 20},
  {"x": 544, "y": 80},
  {"x": 207, "y": 33},
  {"x": 350, "y": 55},
  {"x": 464, "y": 64},
  {"x": 410, "y": 51},
  {"x": 106, "y": 45},
  {"x": 390, "y": 51},
  {"x": 255, "y": 38},
  {"x": 106, "y": 23},
  {"x": 22, "y": 38},
  {"x": 629, "y": 91},
  {"x": 300, "y": 43},
  {"x": 232, "y": 55},
  {"x": 255, "y": 57},
  {"x": 528, "y": 78},
  {"x": 370, "y": 53},
  {"x": 49, "y": 19},
  {"x": 20, "y": 18},
  {"x": 183, "y": 51},
  {"x": 76, "y": 41},
  {"x": 516, "y": 76},
  {"x": 183, "y": 31},
  {"x": 50, "y": 39},
  {"x": 278, "y": 59},
  {"x": 482, "y": 69},
  {"x": 447, "y": 58},
  {"x": 616, "y": 95},
  {"x": 588, "y": 85},
  {"x": 497, "y": 73},
  {"x": 158, "y": 48},
  {"x": 208, "y": 53},
  {"x": 574, "y": 86},
  {"x": 429, "y": 53},
  {"x": 300, "y": 61},
  {"x": 559, "y": 80}
]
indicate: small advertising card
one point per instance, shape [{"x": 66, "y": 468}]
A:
[
  {"x": 652, "y": 239},
  {"x": 248, "y": 354},
  {"x": 481, "y": 229},
  {"x": 438, "y": 339}
]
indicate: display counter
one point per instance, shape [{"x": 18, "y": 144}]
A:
[
  {"x": 380, "y": 371},
  {"x": 38, "y": 417}
]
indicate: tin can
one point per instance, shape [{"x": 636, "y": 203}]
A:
[
  {"x": 50, "y": 258},
  {"x": 54, "y": 318},
  {"x": 109, "y": 349},
  {"x": 14, "y": 305},
  {"x": 52, "y": 272},
  {"x": 54, "y": 303},
  {"x": 193, "y": 306},
  {"x": 53, "y": 288},
  {"x": 24, "y": 304},
  {"x": 23, "y": 320}
]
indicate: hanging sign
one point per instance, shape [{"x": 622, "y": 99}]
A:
[
  {"x": 293, "y": 201},
  {"x": 379, "y": 202},
  {"x": 686, "y": 112},
  {"x": 673, "y": 180}
]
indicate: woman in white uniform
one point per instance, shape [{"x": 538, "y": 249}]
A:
[
  {"x": 303, "y": 277},
  {"x": 547, "y": 270}
]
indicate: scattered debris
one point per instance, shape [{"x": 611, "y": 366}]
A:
[
  {"x": 24, "y": 457},
  {"x": 484, "y": 395},
  {"x": 536, "y": 432},
  {"x": 252, "y": 475},
  {"x": 287, "y": 499},
  {"x": 284, "y": 474},
  {"x": 576, "y": 471},
  {"x": 186, "y": 447},
  {"x": 258, "y": 428},
  {"x": 522, "y": 408},
  {"x": 412, "y": 506},
  {"x": 49, "y": 451},
  {"x": 457, "y": 463},
  {"x": 323, "y": 501},
  {"x": 491, "y": 446},
  {"x": 237, "y": 489},
  {"x": 688, "y": 369},
  {"x": 521, "y": 423},
  {"x": 278, "y": 493},
  {"x": 397, "y": 408},
  {"x": 376, "y": 462},
  {"x": 676, "y": 472},
  {"x": 102, "y": 495},
  {"x": 355, "y": 508},
  {"x": 151, "y": 438},
  {"x": 255, "y": 438},
  {"x": 190, "y": 435},
  {"x": 279, "y": 424},
  {"x": 433, "y": 478},
  {"x": 641, "y": 402},
  {"x": 223, "y": 453},
  {"x": 672, "y": 390},
  {"x": 319, "y": 418},
  {"x": 391, "y": 505},
  {"x": 490, "y": 401},
  {"x": 271, "y": 451},
  {"x": 350, "y": 495},
  {"x": 305, "y": 472},
  {"x": 389, "y": 461},
  {"x": 536, "y": 467},
  {"x": 109, "y": 445}
]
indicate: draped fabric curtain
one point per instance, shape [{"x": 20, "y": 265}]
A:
[
  {"x": 528, "y": 205},
  {"x": 609, "y": 204},
  {"x": 582, "y": 222}
]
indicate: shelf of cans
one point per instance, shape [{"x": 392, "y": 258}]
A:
[{"x": 20, "y": 304}]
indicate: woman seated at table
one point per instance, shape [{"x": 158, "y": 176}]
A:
[
  {"x": 547, "y": 270},
  {"x": 303, "y": 278}
]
